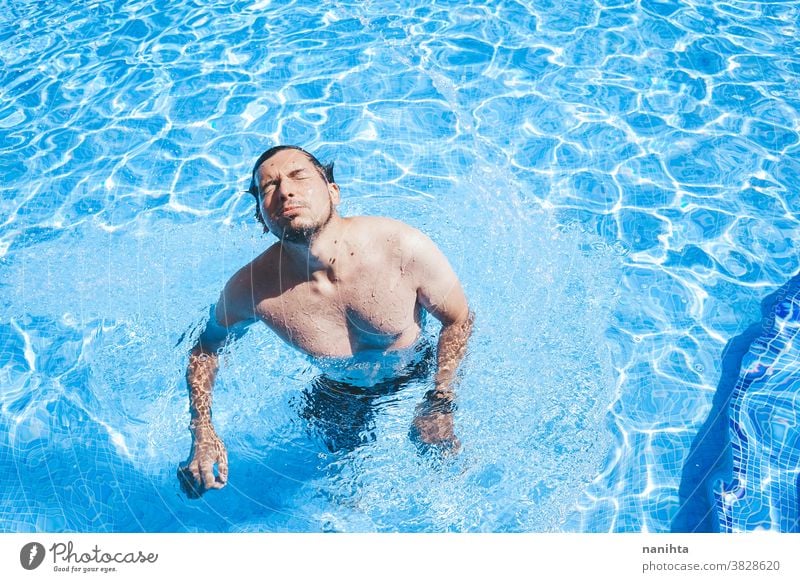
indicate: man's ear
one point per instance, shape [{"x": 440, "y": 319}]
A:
[
  {"x": 333, "y": 191},
  {"x": 260, "y": 219}
]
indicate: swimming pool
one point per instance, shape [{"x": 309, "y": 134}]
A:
[{"x": 614, "y": 182}]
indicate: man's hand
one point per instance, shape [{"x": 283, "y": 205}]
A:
[
  {"x": 436, "y": 430},
  {"x": 197, "y": 476},
  {"x": 433, "y": 425}
]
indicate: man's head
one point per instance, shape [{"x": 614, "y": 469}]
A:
[{"x": 295, "y": 194}]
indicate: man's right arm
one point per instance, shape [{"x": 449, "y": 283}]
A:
[{"x": 225, "y": 321}]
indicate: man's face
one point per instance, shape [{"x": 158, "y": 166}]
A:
[{"x": 295, "y": 200}]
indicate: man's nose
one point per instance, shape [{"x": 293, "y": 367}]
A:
[{"x": 285, "y": 191}]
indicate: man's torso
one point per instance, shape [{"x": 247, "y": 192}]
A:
[{"x": 365, "y": 301}]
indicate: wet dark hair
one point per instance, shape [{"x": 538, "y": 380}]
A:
[{"x": 326, "y": 171}]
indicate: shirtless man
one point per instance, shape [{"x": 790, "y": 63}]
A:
[{"x": 331, "y": 286}]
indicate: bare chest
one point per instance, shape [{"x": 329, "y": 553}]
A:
[{"x": 340, "y": 317}]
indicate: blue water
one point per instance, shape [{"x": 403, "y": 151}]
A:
[
  {"x": 614, "y": 182},
  {"x": 742, "y": 470}
]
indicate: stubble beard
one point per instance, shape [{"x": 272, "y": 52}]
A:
[{"x": 306, "y": 234}]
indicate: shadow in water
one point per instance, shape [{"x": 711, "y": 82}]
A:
[{"x": 712, "y": 467}]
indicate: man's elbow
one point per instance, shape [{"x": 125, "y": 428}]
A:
[
  {"x": 469, "y": 321},
  {"x": 208, "y": 345},
  {"x": 204, "y": 349},
  {"x": 212, "y": 339},
  {"x": 461, "y": 321}
]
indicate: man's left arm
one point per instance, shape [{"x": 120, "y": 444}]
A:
[{"x": 440, "y": 293}]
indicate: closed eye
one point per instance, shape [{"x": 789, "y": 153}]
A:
[{"x": 298, "y": 174}]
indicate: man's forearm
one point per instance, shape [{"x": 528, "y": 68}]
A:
[
  {"x": 452, "y": 346},
  {"x": 434, "y": 419},
  {"x": 200, "y": 377},
  {"x": 208, "y": 451}
]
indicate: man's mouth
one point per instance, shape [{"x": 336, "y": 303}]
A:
[{"x": 289, "y": 211}]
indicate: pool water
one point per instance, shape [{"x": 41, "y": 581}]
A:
[{"x": 614, "y": 182}]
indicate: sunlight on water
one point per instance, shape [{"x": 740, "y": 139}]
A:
[{"x": 615, "y": 184}]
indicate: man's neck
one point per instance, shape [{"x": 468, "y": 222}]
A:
[{"x": 319, "y": 252}]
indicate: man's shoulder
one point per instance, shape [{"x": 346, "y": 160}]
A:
[
  {"x": 374, "y": 228},
  {"x": 237, "y": 297},
  {"x": 388, "y": 240},
  {"x": 254, "y": 271}
]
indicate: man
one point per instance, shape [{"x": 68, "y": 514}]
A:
[{"x": 331, "y": 286}]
